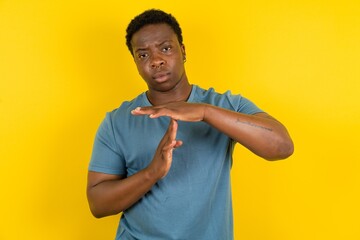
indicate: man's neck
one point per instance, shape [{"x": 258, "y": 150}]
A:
[{"x": 180, "y": 93}]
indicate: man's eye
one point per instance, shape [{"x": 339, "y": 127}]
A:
[
  {"x": 166, "y": 49},
  {"x": 142, "y": 55}
]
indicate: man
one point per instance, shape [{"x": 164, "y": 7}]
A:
[{"x": 164, "y": 158}]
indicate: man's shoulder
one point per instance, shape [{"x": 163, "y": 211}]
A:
[
  {"x": 228, "y": 100},
  {"x": 128, "y": 105},
  {"x": 212, "y": 96}
]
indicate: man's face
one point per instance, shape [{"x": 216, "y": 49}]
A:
[{"x": 159, "y": 57}]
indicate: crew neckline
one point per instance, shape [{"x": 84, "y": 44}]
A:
[{"x": 190, "y": 99}]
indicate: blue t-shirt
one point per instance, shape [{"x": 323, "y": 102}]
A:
[{"x": 193, "y": 201}]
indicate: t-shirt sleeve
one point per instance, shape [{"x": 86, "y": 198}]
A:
[
  {"x": 106, "y": 157},
  {"x": 242, "y": 104},
  {"x": 248, "y": 107}
]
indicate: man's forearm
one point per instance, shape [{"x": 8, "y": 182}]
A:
[
  {"x": 111, "y": 197},
  {"x": 260, "y": 133}
]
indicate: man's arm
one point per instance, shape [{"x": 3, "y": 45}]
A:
[
  {"x": 111, "y": 194},
  {"x": 260, "y": 133}
]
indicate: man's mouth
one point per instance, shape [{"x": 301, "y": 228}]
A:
[{"x": 161, "y": 76}]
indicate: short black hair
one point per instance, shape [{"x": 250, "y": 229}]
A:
[{"x": 152, "y": 16}]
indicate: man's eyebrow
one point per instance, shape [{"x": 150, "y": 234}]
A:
[
  {"x": 161, "y": 43},
  {"x": 140, "y": 49},
  {"x": 166, "y": 41}
]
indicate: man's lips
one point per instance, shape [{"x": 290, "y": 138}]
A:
[{"x": 161, "y": 76}]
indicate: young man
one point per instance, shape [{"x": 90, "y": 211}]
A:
[{"x": 163, "y": 159}]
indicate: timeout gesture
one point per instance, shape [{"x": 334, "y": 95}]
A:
[{"x": 189, "y": 112}]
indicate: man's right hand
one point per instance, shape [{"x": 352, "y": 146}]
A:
[{"x": 161, "y": 163}]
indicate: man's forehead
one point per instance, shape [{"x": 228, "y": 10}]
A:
[{"x": 152, "y": 33}]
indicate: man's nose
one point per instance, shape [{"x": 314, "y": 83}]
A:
[{"x": 157, "y": 61}]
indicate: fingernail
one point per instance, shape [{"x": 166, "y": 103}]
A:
[{"x": 135, "y": 110}]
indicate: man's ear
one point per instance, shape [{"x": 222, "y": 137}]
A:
[{"x": 183, "y": 52}]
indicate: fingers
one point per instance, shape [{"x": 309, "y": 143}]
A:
[
  {"x": 137, "y": 111},
  {"x": 163, "y": 156},
  {"x": 154, "y": 112},
  {"x": 189, "y": 112},
  {"x": 173, "y": 126},
  {"x": 144, "y": 111},
  {"x": 169, "y": 139},
  {"x": 170, "y": 135},
  {"x": 178, "y": 143}
]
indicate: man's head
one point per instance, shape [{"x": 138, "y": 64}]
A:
[{"x": 148, "y": 17}]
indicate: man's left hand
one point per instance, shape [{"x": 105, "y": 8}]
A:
[{"x": 183, "y": 111}]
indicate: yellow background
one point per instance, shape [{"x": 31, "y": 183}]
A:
[{"x": 63, "y": 64}]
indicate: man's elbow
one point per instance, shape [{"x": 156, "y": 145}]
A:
[
  {"x": 97, "y": 215},
  {"x": 95, "y": 211},
  {"x": 98, "y": 208},
  {"x": 281, "y": 151},
  {"x": 99, "y": 212}
]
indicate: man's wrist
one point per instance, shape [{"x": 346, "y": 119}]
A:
[
  {"x": 207, "y": 109},
  {"x": 151, "y": 175}
]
